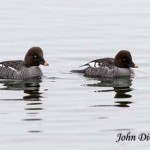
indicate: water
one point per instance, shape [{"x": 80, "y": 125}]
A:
[{"x": 69, "y": 111}]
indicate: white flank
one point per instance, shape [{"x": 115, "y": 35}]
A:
[
  {"x": 106, "y": 67},
  {"x": 92, "y": 64},
  {"x": 97, "y": 65},
  {"x": 12, "y": 68}
]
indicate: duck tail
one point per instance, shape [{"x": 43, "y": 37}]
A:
[{"x": 78, "y": 71}]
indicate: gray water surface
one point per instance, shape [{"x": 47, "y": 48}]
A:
[{"x": 66, "y": 111}]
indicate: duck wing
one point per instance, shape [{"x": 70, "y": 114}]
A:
[
  {"x": 104, "y": 62},
  {"x": 15, "y": 65},
  {"x": 100, "y": 68}
]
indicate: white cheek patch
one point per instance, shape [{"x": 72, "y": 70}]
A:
[
  {"x": 1, "y": 65},
  {"x": 12, "y": 68}
]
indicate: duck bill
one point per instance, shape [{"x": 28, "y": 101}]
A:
[
  {"x": 135, "y": 66},
  {"x": 45, "y": 63}
]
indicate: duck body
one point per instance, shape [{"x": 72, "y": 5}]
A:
[
  {"x": 19, "y": 69},
  {"x": 120, "y": 66},
  {"x": 106, "y": 68}
]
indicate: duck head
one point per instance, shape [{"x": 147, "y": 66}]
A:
[
  {"x": 123, "y": 59},
  {"x": 34, "y": 57}
]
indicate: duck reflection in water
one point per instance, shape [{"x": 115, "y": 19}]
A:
[
  {"x": 32, "y": 97},
  {"x": 121, "y": 86},
  {"x": 29, "y": 86}
]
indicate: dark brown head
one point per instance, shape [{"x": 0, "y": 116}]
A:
[
  {"x": 34, "y": 57},
  {"x": 123, "y": 59}
]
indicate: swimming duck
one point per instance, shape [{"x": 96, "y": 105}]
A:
[
  {"x": 29, "y": 68},
  {"x": 120, "y": 66}
]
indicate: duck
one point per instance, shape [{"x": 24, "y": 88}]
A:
[
  {"x": 119, "y": 66},
  {"x": 24, "y": 69}
]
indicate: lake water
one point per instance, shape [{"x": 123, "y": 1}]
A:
[{"x": 66, "y": 111}]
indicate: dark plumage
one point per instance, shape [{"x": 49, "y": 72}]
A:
[
  {"x": 110, "y": 67},
  {"x": 29, "y": 68}
]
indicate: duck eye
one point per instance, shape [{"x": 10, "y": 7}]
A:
[
  {"x": 35, "y": 56},
  {"x": 124, "y": 59}
]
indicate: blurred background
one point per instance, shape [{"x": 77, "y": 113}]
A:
[{"x": 65, "y": 110}]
